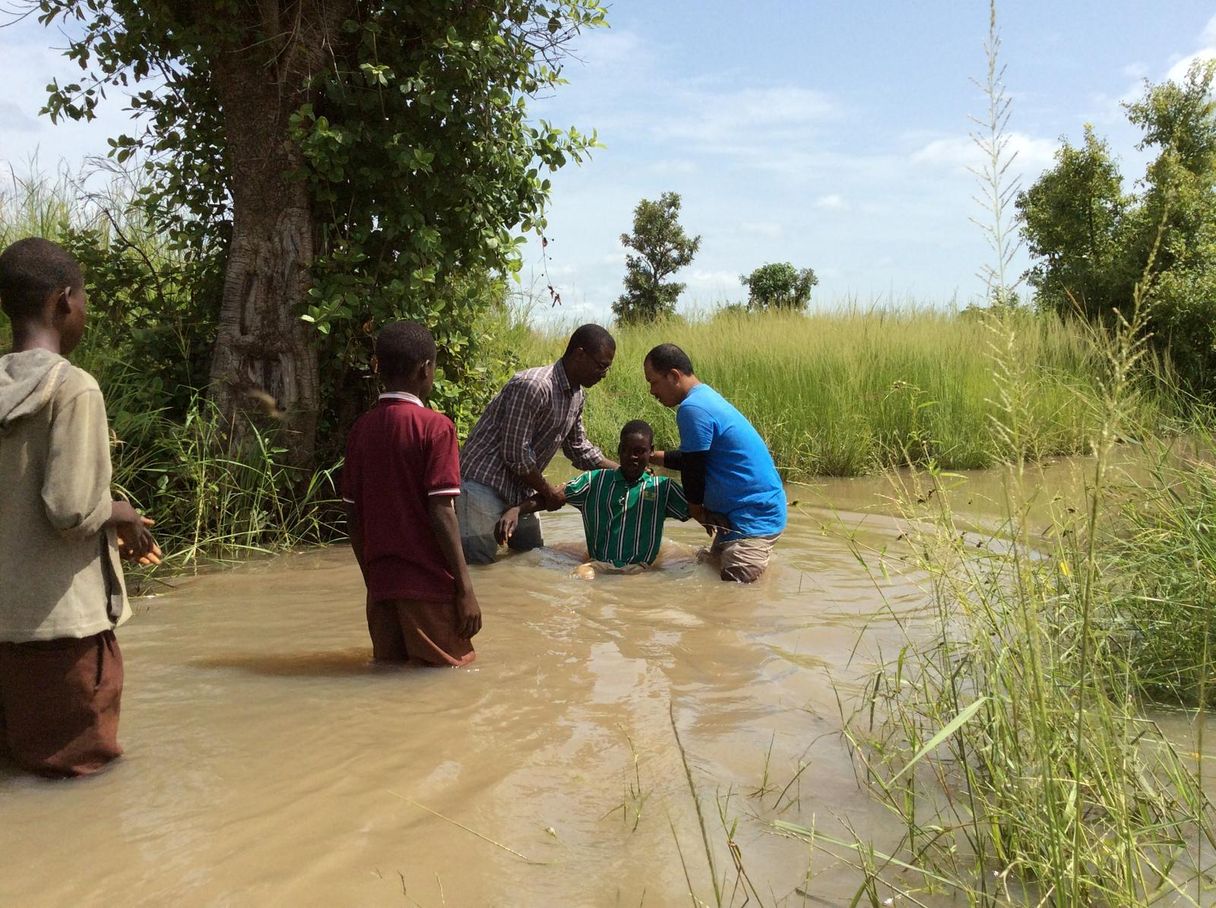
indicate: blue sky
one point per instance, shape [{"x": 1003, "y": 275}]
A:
[{"x": 829, "y": 134}]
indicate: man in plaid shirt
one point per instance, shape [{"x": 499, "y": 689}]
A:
[{"x": 504, "y": 459}]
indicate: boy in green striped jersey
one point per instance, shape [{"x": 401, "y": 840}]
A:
[{"x": 623, "y": 509}]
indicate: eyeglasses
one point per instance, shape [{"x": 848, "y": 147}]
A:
[{"x": 602, "y": 366}]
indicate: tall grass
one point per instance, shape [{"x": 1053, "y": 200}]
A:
[
  {"x": 1158, "y": 568},
  {"x": 852, "y": 391},
  {"x": 37, "y": 205},
  {"x": 1007, "y": 733},
  {"x": 210, "y": 501},
  {"x": 171, "y": 456},
  {"x": 33, "y": 206}
]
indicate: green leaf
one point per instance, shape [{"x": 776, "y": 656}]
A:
[{"x": 951, "y": 727}]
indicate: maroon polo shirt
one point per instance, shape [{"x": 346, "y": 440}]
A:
[{"x": 398, "y": 455}]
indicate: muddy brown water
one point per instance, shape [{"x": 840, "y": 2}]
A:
[{"x": 270, "y": 764}]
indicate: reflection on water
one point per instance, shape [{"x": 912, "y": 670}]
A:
[{"x": 270, "y": 762}]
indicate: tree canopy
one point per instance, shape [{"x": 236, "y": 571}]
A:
[
  {"x": 343, "y": 162},
  {"x": 1093, "y": 243},
  {"x": 779, "y": 285},
  {"x": 660, "y": 249}
]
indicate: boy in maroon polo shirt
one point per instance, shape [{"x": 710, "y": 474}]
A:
[{"x": 400, "y": 482}]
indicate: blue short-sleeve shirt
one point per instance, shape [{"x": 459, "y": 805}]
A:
[{"x": 741, "y": 480}]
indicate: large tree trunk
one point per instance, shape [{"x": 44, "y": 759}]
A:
[{"x": 265, "y": 359}]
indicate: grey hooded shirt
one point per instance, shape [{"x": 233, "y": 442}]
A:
[{"x": 59, "y": 570}]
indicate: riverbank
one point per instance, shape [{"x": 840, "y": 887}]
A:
[{"x": 852, "y": 391}]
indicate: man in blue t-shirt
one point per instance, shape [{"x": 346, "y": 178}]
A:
[{"x": 728, "y": 474}]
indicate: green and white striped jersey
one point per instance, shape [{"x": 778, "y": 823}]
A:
[{"x": 623, "y": 522}]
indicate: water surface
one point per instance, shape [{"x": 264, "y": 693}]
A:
[{"x": 270, "y": 763}]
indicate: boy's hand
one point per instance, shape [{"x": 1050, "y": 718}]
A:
[
  {"x": 135, "y": 542},
  {"x": 506, "y": 525},
  {"x": 552, "y": 497},
  {"x": 716, "y": 523},
  {"x": 711, "y": 520},
  {"x": 468, "y": 615}
]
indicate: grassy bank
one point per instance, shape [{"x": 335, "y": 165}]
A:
[
  {"x": 849, "y": 392},
  {"x": 148, "y": 344},
  {"x": 1013, "y": 735}
]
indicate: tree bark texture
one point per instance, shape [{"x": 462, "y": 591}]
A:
[{"x": 264, "y": 367}]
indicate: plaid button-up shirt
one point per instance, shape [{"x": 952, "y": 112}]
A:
[{"x": 536, "y": 413}]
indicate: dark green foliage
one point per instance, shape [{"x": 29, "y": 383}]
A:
[
  {"x": 421, "y": 158},
  {"x": 1092, "y": 242},
  {"x": 154, "y": 308},
  {"x": 1073, "y": 216},
  {"x": 662, "y": 248},
  {"x": 779, "y": 285},
  {"x": 408, "y": 126}
]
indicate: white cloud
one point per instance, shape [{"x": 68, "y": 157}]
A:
[
  {"x": 833, "y": 202},
  {"x": 962, "y": 152},
  {"x": 14, "y": 119},
  {"x": 704, "y": 279},
  {"x": 1178, "y": 71},
  {"x": 612, "y": 49},
  {"x": 749, "y": 117},
  {"x": 1206, "y": 51},
  {"x": 676, "y": 167},
  {"x": 27, "y": 64}
]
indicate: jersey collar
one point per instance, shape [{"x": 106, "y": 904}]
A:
[{"x": 402, "y": 395}]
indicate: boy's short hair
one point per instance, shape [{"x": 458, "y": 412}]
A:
[
  {"x": 591, "y": 337},
  {"x": 401, "y": 347},
  {"x": 30, "y": 270},
  {"x": 637, "y": 427},
  {"x": 666, "y": 357}
]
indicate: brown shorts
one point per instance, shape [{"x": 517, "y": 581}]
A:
[
  {"x": 59, "y": 702},
  {"x": 410, "y": 630}
]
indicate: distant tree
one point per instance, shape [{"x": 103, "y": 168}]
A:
[
  {"x": 1175, "y": 222},
  {"x": 1072, "y": 220},
  {"x": 1092, "y": 243},
  {"x": 662, "y": 248},
  {"x": 779, "y": 285}
]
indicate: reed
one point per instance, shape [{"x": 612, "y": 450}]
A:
[
  {"x": 171, "y": 456},
  {"x": 855, "y": 390},
  {"x": 210, "y": 501},
  {"x": 37, "y": 204},
  {"x": 1008, "y": 733},
  {"x": 1158, "y": 567}
]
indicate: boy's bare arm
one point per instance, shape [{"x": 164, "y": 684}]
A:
[
  {"x": 548, "y": 496},
  {"x": 447, "y": 533}
]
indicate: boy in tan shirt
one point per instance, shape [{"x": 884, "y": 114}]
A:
[{"x": 61, "y": 531}]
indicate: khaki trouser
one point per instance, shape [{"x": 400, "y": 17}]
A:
[{"x": 743, "y": 560}]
